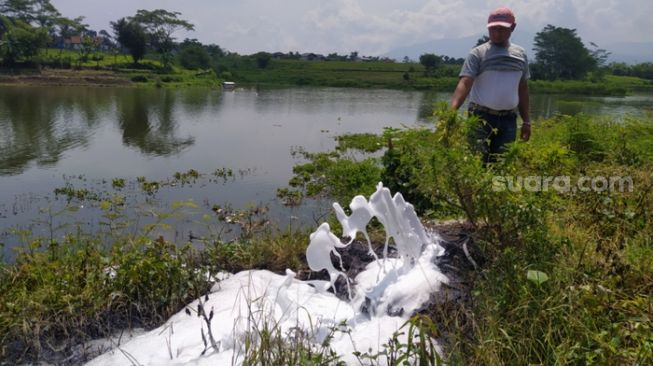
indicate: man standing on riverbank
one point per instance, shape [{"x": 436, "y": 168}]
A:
[{"x": 496, "y": 73}]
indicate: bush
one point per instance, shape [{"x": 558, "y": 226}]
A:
[
  {"x": 139, "y": 79},
  {"x": 566, "y": 275},
  {"x": 193, "y": 57},
  {"x": 171, "y": 79}
]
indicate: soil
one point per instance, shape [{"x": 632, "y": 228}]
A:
[
  {"x": 451, "y": 307},
  {"x": 65, "y": 77},
  {"x": 457, "y": 265}
]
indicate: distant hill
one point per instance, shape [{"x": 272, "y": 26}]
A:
[
  {"x": 629, "y": 52},
  {"x": 458, "y": 47}
]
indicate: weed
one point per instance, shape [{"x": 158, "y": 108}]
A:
[
  {"x": 566, "y": 276},
  {"x": 118, "y": 183}
]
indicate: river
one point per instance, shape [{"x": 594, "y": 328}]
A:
[{"x": 84, "y": 137}]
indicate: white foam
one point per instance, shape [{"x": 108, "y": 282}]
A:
[{"x": 387, "y": 294}]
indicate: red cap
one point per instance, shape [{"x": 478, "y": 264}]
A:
[{"x": 502, "y": 17}]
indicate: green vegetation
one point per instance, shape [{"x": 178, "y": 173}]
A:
[
  {"x": 366, "y": 142},
  {"x": 19, "y": 40},
  {"x": 610, "y": 85},
  {"x": 62, "y": 291},
  {"x": 35, "y": 37},
  {"x": 566, "y": 274},
  {"x": 376, "y": 74},
  {"x": 561, "y": 54},
  {"x": 380, "y": 74}
]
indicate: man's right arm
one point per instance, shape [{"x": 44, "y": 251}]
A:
[{"x": 462, "y": 90}]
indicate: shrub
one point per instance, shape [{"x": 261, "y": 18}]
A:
[{"x": 139, "y": 79}]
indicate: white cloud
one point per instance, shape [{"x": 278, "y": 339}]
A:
[{"x": 372, "y": 26}]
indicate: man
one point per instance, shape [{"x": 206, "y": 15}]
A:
[{"x": 496, "y": 73}]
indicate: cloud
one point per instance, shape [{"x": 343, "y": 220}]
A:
[
  {"x": 349, "y": 24},
  {"x": 372, "y": 26}
]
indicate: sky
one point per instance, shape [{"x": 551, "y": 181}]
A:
[{"x": 371, "y": 27}]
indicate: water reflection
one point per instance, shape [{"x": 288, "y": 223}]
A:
[
  {"x": 147, "y": 121},
  {"x": 547, "y": 105},
  {"x": 39, "y": 125},
  {"x": 154, "y": 133}
]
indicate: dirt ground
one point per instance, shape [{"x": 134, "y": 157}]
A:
[{"x": 65, "y": 77}]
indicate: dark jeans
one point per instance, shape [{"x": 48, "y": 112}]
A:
[{"x": 494, "y": 133}]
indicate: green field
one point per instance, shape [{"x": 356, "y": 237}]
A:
[
  {"x": 289, "y": 72},
  {"x": 338, "y": 73},
  {"x": 68, "y": 67}
]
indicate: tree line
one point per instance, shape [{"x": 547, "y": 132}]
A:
[
  {"x": 28, "y": 26},
  {"x": 560, "y": 54}
]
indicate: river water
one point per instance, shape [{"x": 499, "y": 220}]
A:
[{"x": 83, "y": 137}]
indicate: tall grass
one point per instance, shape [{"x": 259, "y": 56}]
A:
[
  {"x": 338, "y": 74},
  {"x": 60, "y": 293},
  {"x": 566, "y": 277}
]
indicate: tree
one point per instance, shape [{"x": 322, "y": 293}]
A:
[
  {"x": 482, "y": 40},
  {"x": 430, "y": 62},
  {"x": 192, "y": 55},
  {"x": 131, "y": 36},
  {"x": 87, "y": 47},
  {"x": 560, "y": 54},
  {"x": 452, "y": 60},
  {"x": 20, "y": 40},
  {"x": 643, "y": 70},
  {"x": 44, "y": 13},
  {"x": 17, "y": 9},
  {"x": 599, "y": 54},
  {"x": 215, "y": 51},
  {"x": 159, "y": 25},
  {"x": 70, "y": 27},
  {"x": 262, "y": 59},
  {"x": 39, "y": 13},
  {"x": 353, "y": 56}
]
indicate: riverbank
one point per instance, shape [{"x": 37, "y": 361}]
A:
[
  {"x": 64, "y": 77},
  {"x": 286, "y": 73},
  {"x": 553, "y": 275},
  {"x": 561, "y": 224},
  {"x": 410, "y": 76},
  {"x": 109, "y": 78}
]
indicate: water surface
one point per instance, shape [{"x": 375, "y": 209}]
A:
[{"x": 85, "y": 137}]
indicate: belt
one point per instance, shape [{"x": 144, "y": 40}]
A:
[{"x": 473, "y": 107}]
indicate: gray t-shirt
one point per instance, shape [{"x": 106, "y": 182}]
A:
[{"x": 497, "y": 72}]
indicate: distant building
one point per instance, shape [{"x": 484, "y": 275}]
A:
[
  {"x": 72, "y": 43},
  {"x": 312, "y": 57}
]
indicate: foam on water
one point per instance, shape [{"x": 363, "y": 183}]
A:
[{"x": 385, "y": 294}]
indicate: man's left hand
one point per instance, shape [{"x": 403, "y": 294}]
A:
[{"x": 525, "y": 131}]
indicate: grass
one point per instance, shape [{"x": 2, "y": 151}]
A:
[
  {"x": 59, "y": 293},
  {"x": 59, "y": 66},
  {"x": 565, "y": 277},
  {"x": 245, "y": 70},
  {"x": 399, "y": 76},
  {"x": 337, "y": 74}
]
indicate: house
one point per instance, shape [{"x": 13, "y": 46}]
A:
[
  {"x": 312, "y": 57},
  {"x": 72, "y": 42}
]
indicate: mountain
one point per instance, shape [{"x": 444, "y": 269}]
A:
[
  {"x": 458, "y": 47},
  {"x": 628, "y": 52}
]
